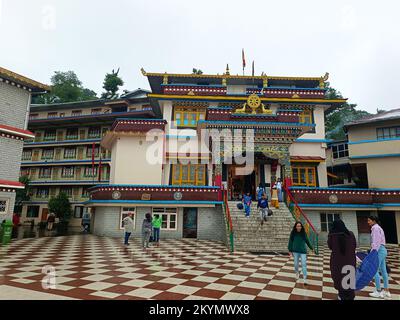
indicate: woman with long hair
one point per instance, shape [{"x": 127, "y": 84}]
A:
[
  {"x": 343, "y": 244},
  {"x": 378, "y": 243},
  {"x": 297, "y": 247}
]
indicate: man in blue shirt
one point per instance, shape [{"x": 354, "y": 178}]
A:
[{"x": 263, "y": 206}]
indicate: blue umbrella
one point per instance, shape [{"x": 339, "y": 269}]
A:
[{"x": 367, "y": 270}]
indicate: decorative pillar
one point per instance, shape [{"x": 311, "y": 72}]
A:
[{"x": 218, "y": 179}]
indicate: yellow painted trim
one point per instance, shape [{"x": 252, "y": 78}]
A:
[
  {"x": 19, "y": 78},
  {"x": 228, "y": 76},
  {"x": 160, "y": 96}
]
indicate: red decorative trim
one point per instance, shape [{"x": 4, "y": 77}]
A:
[
  {"x": 307, "y": 158},
  {"x": 11, "y": 184},
  {"x": 138, "y": 125},
  {"x": 196, "y": 90},
  {"x": 10, "y": 132}
]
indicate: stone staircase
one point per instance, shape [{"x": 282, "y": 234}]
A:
[{"x": 250, "y": 235}]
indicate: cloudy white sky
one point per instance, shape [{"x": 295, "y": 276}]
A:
[{"x": 357, "y": 42}]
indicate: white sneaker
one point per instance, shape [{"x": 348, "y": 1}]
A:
[
  {"x": 376, "y": 294},
  {"x": 305, "y": 282},
  {"x": 386, "y": 294},
  {"x": 297, "y": 276}
]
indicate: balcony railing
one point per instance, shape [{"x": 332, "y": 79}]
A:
[
  {"x": 207, "y": 90},
  {"x": 288, "y": 92}
]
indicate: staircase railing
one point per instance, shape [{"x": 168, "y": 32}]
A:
[
  {"x": 229, "y": 228},
  {"x": 299, "y": 215}
]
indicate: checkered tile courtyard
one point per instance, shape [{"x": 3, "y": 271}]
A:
[{"x": 90, "y": 267}]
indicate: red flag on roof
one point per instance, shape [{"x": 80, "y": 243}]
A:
[{"x": 243, "y": 59}]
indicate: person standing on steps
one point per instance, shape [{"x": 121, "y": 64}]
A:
[
  {"x": 378, "y": 243},
  {"x": 279, "y": 189},
  {"x": 262, "y": 205},
  {"x": 274, "y": 197},
  {"x": 247, "y": 204},
  {"x": 297, "y": 247},
  {"x": 146, "y": 230},
  {"x": 260, "y": 191},
  {"x": 343, "y": 244},
  {"x": 127, "y": 223}
]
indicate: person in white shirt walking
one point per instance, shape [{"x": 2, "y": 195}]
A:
[{"x": 127, "y": 223}]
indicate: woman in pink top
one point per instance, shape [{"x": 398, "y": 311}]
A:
[{"x": 378, "y": 243}]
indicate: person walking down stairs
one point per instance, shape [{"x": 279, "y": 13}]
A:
[
  {"x": 274, "y": 197},
  {"x": 247, "y": 204},
  {"x": 297, "y": 247},
  {"x": 262, "y": 205}
]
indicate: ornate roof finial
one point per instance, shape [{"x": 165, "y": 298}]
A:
[
  {"x": 227, "y": 70},
  {"x": 143, "y": 72}
]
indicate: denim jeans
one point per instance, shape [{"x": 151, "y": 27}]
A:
[
  {"x": 263, "y": 213},
  {"x": 297, "y": 256},
  {"x": 156, "y": 234},
  {"x": 382, "y": 254},
  {"x": 127, "y": 235},
  {"x": 247, "y": 210},
  {"x": 146, "y": 238}
]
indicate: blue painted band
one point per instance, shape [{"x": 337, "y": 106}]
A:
[
  {"x": 370, "y": 141},
  {"x": 219, "y": 108},
  {"x": 372, "y": 156},
  {"x": 154, "y": 202},
  {"x": 61, "y": 142},
  {"x": 313, "y": 140},
  {"x": 180, "y": 136},
  {"x": 62, "y": 161},
  {"x": 327, "y": 205}
]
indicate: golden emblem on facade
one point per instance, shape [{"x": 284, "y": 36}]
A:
[{"x": 254, "y": 102}]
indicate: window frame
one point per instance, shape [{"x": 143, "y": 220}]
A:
[
  {"x": 124, "y": 213},
  {"x": 47, "y": 157},
  {"x": 326, "y": 222},
  {"x": 24, "y": 153},
  {"x": 188, "y": 181},
  {"x": 66, "y": 156},
  {"x": 91, "y": 135},
  {"x": 28, "y": 212},
  {"x": 46, "y": 137},
  {"x": 76, "y": 113},
  {"x": 5, "y": 205},
  {"x": 163, "y": 211},
  {"x": 44, "y": 170},
  {"x": 42, "y": 192},
  {"x": 307, "y": 169},
  {"x": 389, "y": 135},
  {"x": 51, "y": 115},
  {"x": 64, "y": 170},
  {"x": 182, "y": 111}
]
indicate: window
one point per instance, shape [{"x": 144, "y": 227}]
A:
[
  {"x": 388, "y": 133},
  {"x": 45, "y": 172},
  {"x": 96, "y": 111},
  {"x": 94, "y": 133},
  {"x": 306, "y": 116},
  {"x": 42, "y": 192},
  {"x": 50, "y": 135},
  {"x": 78, "y": 212},
  {"x": 62, "y": 114},
  {"x": 187, "y": 117},
  {"x": 85, "y": 193},
  {"x": 47, "y": 154},
  {"x": 304, "y": 176},
  {"x": 67, "y": 172},
  {"x": 3, "y": 206},
  {"x": 132, "y": 109},
  {"x": 90, "y": 150},
  {"x": 188, "y": 174},
  {"x": 124, "y": 213},
  {"x": 67, "y": 191},
  {"x": 169, "y": 217},
  {"x": 76, "y": 113},
  {"x": 69, "y": 153},
  {"x": 26, "y": 155},
  {"x": 340, "y": 151},
  {"x": 25, "y": 172},
  {"x": 52, "y": 115},
  {"x": 72, "y": 134},
  {"x": 327, "y": 219},
  {"x": 33, "y": 116},
  {"x": 90, "y": 172},
  {"x": 32, "y": 212}
]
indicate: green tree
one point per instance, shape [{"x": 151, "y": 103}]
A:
[
  {"x": 111, "y": 84},
  {"x": 338, "y": 116},
  {"x": 197, "y": 71},
  {"x": 65, "y": 87},
  {"x": 60, "y": 206},
  {"x": 22, "y": 195}
]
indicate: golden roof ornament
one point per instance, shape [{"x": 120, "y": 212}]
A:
[
  {"x": 165, "y": 79},
  {"x": 227, "y": 70},
  {"x": 323, "y": 79},
  {"x": 143, "y": 72},
  {"x": 254, "y": 102}
]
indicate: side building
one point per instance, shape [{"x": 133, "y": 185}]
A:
[
  {"x": 65, "y": 155},
  {"x": 15, "y": 96},
  {"x": 364, "y": 179}
]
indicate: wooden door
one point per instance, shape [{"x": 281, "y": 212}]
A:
[
  {"x": 45, "y": 213},
  {"x": 190, "y": 222}
]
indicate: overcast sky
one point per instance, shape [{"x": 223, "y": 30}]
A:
[{"x": 357, "y": 42}]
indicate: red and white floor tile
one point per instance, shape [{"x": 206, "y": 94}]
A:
[{"x": 90, "y": 267}]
